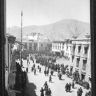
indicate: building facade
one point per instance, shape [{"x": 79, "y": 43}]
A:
[
  {"x": 62, "y": 48},
  {"x": 8, "y": 56},
  {"x": 58, "y": 47},
  {"x": 80, "y": 59},
  {"x": 67, "y": 49}
]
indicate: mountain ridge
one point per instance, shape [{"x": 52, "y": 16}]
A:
[{"x": 63, "y": 29}]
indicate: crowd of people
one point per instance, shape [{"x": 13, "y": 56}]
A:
[
  {"x": 45, "y": 90},
  {"x": 49, "y": 71},
  {"x": 68, "y": 87}
]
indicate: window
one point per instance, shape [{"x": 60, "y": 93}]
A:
[
  {"x": 74, "y": 48},
  {"x": 77, "y": 63},
  {"x": 85, "y": 50},
  {"x": 84, "y": 64},
  {"x": 79, "y": 49},
  {"x": 60, "y": 46}
]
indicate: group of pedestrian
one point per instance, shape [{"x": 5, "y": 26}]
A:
[
  {"x": 46, "y": 72},
  {"x": 59, "y": 75},
  {"x": 33, "y": 69},
  {"x": 45, "y": 90},
  {"x": 52, "y": 72},
  {"x": 68, "y": 87},
  {"x": 88, "y": 93},
  {"x": 79, "y": 92},
  {"x": 39, "y": 68}
]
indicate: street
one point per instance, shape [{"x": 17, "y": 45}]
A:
[{"x": 35, "y": 82}]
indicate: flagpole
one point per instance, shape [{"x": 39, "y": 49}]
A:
[{"x": 21, "y": 37}]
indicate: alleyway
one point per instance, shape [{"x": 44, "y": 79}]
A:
[{"x": 35, "y": 82}]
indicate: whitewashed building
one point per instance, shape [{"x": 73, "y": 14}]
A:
[
  {"x": 81, "y": 57},
  {"x": 67, "y": 49},
  {"x": 58, "y": 47}
]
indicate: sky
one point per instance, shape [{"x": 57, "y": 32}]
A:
[{"x": 43, "y": 12}]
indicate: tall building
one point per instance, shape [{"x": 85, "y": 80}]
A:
[
  {"x": 80, "y": 59},
  {"x": 67, "y": 48},
  {"x": 58, "y": 47},
  {"x": 8, "y": 56},
  {"x": 37, "y": 42}
]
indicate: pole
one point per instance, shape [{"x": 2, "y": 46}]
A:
[{"x": 21, "y": 38}]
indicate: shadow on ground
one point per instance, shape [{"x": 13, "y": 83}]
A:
[{"x": 30, "y": 89}]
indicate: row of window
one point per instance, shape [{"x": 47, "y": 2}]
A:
[
  {"x": 84, "y": 63},
  {"x": 78, "y": 62},
  {"x": 79, "y": 49},
  {"x": 58, "y": 47}
]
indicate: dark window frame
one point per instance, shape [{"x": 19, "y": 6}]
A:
[
  {"x": 84, "y": 64},
  {"x": 79, "y": 49},
  {"x": 77, "y": 62}
]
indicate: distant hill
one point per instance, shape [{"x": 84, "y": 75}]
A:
[{"x": 60, "y": 30}]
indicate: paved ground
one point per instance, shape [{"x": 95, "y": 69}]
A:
[{"x": 35, "y": 82}]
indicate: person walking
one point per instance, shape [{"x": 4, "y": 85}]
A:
[
  {"x": 32, "y": 69},
  {"x": 48, "y": 92},
  {"x": 40, "y": 69},
  {"x": 66, "y": 87},
  {"x": 42, "y": 92},
  {"x": 73, "y": 84},
  {"x": 27, "y": 69},
  {"x": 52, "y": 72},
  {"x": 45, "y": 86},
  {"x": 35, "y": 71},
  {"x": 50, "y": 78},
  {"x": 69, "y": 87},
  {"x": 33, "y": 65},
  {"x": 81, "y": 91},
  {"x": 45, "y": 72},
  {"x": 78, "y": 92},
  {"x": 60, "y": 76}
]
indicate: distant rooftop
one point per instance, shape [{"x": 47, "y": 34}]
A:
[{"x": 65, "y": 40}]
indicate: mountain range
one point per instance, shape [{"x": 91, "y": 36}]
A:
[{"x": 60, "y": 30}]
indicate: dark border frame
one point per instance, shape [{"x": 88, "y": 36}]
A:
[
  {"x": 2, "y": 42},
  {"x": 93, "y": 43}
]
